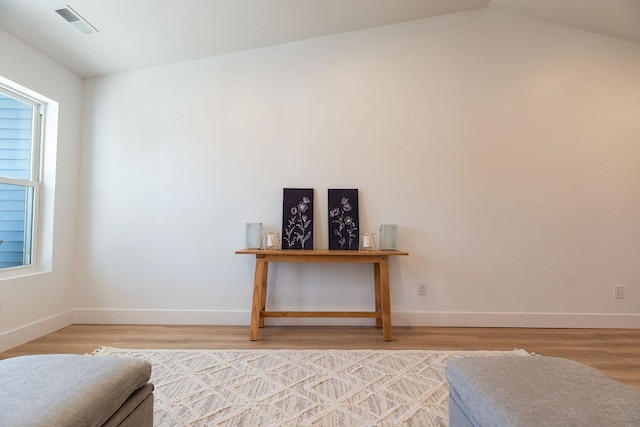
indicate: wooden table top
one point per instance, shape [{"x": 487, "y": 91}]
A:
[{"x": 320, "y": 252}]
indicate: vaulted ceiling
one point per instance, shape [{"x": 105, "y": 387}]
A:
[{"x": 140, "y": 33}]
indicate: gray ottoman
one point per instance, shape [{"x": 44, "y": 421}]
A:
[
  {"x": 537, "y": 391},
  {"x": 72, "y": 390}
]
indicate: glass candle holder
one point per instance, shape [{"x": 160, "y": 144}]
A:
[
  {"x": 368, "y": 242},
  {"x": 271, "y": 241}
]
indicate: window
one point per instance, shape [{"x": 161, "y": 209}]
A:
[{"x": 21, "y": 118}]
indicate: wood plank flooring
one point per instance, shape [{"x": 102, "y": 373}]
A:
[{"x": 615, "y": 351}]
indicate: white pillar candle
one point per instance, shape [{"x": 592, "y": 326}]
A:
[
  {"x": 270, "y": 240},
  {"x": 366, "y": 241}
]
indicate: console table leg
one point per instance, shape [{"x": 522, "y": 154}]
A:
[
  {"x": 377, "y": 290},
  {"x": 256, "y": 304},
  {"x": 263, "y": 292},
  {"x": 386, "y": 299}
]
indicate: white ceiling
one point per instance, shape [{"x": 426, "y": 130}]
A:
[{"x": 140, "y": 33}]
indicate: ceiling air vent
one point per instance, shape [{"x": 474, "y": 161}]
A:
[{"x": 72, "y": 17}]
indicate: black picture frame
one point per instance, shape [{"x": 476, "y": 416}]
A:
[
  {"x": 297, "y": 218},
  {"x": 344, "y": 219}
]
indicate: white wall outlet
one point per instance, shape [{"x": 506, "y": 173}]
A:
[
  {"x": 618, "y": 292},
  {"x": 422, "y": 288}
]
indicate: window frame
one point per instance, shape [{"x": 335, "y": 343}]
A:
[{"x": 34, "y": 183}]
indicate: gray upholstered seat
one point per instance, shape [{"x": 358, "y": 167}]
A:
[
  {"x": 537, "y": 391},
  {"x": 73, "y": 390}
]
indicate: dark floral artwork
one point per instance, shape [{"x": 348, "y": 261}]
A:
[
  {"x": 343, "y": 219},
  {"x": 297, "y": 218}
]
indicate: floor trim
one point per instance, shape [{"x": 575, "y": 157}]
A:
[
  {"x": 462, "y": 319},
  {"x": 26, "y": 333}
]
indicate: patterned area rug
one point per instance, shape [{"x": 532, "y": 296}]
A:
[{"x": 299, "y": 387}]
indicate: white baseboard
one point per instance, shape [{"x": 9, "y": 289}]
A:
[
  {"x": 487, "y": 320},
  {"x": 519, "y": 320},
  {"x": 24, "y": 334},
  {"x": 161, "y": 317}
]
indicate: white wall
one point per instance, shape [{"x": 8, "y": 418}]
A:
[
  {"x": 506, "y": 149},
  {"x": 38, "y": 304}
]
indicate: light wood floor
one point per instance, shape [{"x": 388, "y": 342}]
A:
[{"x": 615, "y": 351}]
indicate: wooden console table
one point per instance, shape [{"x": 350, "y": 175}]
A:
[{"x": 379, "y": 259}]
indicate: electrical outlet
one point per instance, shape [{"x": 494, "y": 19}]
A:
[
  {"x": 422, "y": 288},
  {"x": 617, "y": 292}
]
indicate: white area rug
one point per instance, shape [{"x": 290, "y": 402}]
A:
[{"x": 299, "y": 387}]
